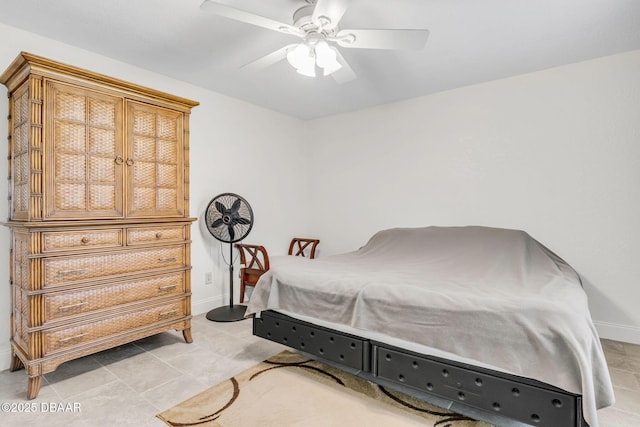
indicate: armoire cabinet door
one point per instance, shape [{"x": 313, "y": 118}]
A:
[
  {"x": 84, "y": 149},
  {"x": 155, "y": 169}
]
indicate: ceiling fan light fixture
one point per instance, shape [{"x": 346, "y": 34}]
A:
[
  {"x": 303, "y": 59},
  {"x": 307, "y": 71},
  {"x": 324, "y": 55},
  {"x": 327, "y": 58},
  {"x": 299, "y": 55}
]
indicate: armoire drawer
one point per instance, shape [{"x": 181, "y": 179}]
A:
[
  {"x": 59, "y": 305},
  {"x": 83, "y": 239},
  {"x": 144, "y": 235},
  {"x": 86, "y": 332},
  {"x": 63, "y": 270}
]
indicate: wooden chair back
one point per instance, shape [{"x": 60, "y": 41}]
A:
[
  {"x": 256, "y": 262},
  {"x": 303, "y": 247}
]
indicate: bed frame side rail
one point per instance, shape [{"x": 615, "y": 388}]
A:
[{"x": 523, "y": 399}]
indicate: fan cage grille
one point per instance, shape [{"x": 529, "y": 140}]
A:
[{"x": 229, "y": 217}]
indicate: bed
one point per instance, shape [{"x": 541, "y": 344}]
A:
[{"x": 484, "y": 316}]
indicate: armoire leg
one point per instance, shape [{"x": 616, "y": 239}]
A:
[
  {"x": 186, "y": 333},
  {"x": 34, "y": 387}
]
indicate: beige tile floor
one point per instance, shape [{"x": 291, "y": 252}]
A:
[{"x": 129, "y": 385}]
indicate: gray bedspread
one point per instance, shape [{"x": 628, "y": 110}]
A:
[{"x": 491, "y": 295}]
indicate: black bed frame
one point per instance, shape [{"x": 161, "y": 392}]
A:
[{"x": 468, "y": 387}]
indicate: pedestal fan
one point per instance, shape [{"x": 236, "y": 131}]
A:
[{"x": 229, "y": 219}]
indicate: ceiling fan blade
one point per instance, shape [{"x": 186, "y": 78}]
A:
[
  {"x": 269, "y": 59},
  {"x": 249, "y": 18},
  {"x": 345, "y": 73},
  {"x": 332, "y": 9},
  {"x": 382, "y": 39}
]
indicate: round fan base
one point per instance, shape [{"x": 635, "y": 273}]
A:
[{"x": 227, "y": 313}]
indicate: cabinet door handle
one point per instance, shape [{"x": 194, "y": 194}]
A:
[
  {"x": 165, "y": 260},
  {"x": 65, "y": 273},
  {"x": 118, "y": 160},
  {"x": 167, "y": 288},
  {"x": 75, "y": 337},
  {"x": 129, "y": 161},
  {"x": 71, "y": 306}
]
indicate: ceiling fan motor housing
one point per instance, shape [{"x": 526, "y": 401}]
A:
[{"x": 302, "y": 18}]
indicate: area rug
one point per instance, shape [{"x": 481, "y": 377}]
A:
[{"x": 292, "y": 390}]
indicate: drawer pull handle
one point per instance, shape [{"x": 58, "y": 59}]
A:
[
  {"x": 65, "y": 273},
  {"x": 72, "y": 306},
  {"x": 165, "y": 260},
  {"x": 84, "y": 240},
  {"x": 158, "y": 235},
  {"x": 75, "y": 337},
  {"x": 166, "y": 314},
  {"x": 166, "y": 288}
]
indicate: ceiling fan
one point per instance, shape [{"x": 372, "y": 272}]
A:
[{"x": 316, "y": 23}]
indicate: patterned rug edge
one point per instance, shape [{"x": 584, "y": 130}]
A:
[{"x": 220, "y": 397}]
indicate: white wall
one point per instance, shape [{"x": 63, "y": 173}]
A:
[
  {"x": 555, "y": 153},
  {"x": 235, "y": 147}
]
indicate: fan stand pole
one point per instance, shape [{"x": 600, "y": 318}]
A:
[
  {"x": 231, "y": 276},
  {"x": 230, "y": 313}
]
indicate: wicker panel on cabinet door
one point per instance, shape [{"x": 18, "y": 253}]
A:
[
  {"x": 70, "y": 169},
  {"x": 84, "y": 149},
  {"x": 101, "y": 113},
  {"x": 144, "y": 199},
  {"x": 167, "y": 127},
  {"x": 156, "y": 167},
  {"x": 144, "y": 122},
  {"x": 59, "y": 305},
  {"x": 167, "y": 198},
  {"x": 70, "y": 137},
  {"x": 144, "y": 148},
  {"x": 63, "y": 270},
  {"x": 102, "y": 171},
  {"x": 167, "y": 176},
  {"x": 70, "y": 197},
  {"x": 102, "y": 142},
  {"x": 61, "y": 339},
  {"x": 166, "y": 151},
  {"x": 70, "y": 107},
  {"x": 144, "y": 174}
]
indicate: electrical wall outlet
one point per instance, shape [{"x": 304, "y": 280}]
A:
[{"x": 208, "y": 278}]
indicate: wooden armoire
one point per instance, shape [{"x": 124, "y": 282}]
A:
[{"x": 98, "y": 212}]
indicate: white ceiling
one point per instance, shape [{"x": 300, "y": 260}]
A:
[{"x": 471, "y": 41}]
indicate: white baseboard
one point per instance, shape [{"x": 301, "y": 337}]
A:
[
  {"x": 617, "y": 332},
  {"x": 204, "y": 305},
  {"x": 5, "y": 358}
]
